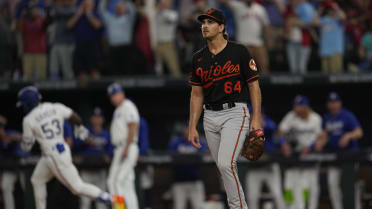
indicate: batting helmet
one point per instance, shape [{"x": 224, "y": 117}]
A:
[{"x": 28, "y": 98}]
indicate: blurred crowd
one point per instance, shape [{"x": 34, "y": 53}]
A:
[
  {"x": 300, "y": 132},
  {"x": 68, "y": 39}
]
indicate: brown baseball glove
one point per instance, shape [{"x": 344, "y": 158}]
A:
[{"x": 254, "y": 145}]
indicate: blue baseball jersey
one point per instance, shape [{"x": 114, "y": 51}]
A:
[
  {"x": 337, "y": 126},
  {"x": 269, "y": 127},
  {"x": 184, "y": 173},
  {"x": 100, "y": 144},
  {"x": 143, "y": 137}
]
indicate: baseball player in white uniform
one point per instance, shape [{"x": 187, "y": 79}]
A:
[
  {"x": 300, "y": 128},
  {"x": 124, "y": 136},
  {"x": 43, "y": 122}
]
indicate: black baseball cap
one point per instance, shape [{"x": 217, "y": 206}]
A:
[{"x": 213, "y": 14}]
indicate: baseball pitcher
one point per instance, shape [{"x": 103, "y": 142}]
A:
[{"x": 223, "y": 77}]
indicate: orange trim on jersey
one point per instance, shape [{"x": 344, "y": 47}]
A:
[
  {"x": 232, "y": 159},
  {"x": 252, "y": 78},
  {"x": 195, "y": 83},
  {"x": 219, "y": 78}
]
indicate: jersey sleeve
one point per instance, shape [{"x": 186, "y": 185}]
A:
[
  {"x": 352, "y": 122},
  {"x": 28, "y": 138},
  {"x": 132, "y": 115},
  {"x": 248, "y": 66},
  {"x": 63, "y": 110},
  {"x": 195, "y": 78},
  {"x": 318, "y": 126}
]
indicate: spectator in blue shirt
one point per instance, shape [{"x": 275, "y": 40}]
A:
[
  {"x": 187, "y": 183},
  {"x": 119, "y": 28},
  {"x": 331, "y": 46},
  {"x": 9, "y": 148},
  {"x": 98, "y": 144},
  {"x": 87, "y": 25},
  {"x": 341, "y": 132},
  {"x": 269, "y": 174},
  {"x": 230, "y": 20}
]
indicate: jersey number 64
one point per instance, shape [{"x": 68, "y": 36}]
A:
[{"x": 229, "y": 87}]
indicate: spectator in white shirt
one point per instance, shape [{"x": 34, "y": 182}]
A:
[{"x": 253, "y": 26}]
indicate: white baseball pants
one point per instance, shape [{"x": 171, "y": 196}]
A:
[
  {"x": 255, "y": 178},
  {"x": 98, "y": 178},
  {"x": 8, "y": 181},
  {"x": 334, "y": 187},
  {"x": 121, "y": 175},
  {"x": 297, "y": 180},
  {"x": 192, "y": 191},
  {"x": 60, "y": 165}
]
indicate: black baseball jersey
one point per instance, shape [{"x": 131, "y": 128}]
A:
[{"x": 224, "y": 76}]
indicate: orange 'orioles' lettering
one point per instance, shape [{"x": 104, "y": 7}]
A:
[{"x": 217, "y": 72}]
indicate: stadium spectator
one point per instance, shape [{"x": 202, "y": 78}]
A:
[
  {"x": 300, "y": 15},
  {"x": 24, "y": 4},
  {"x": 119, "y": 28},
  {"x": 192, "y": 40},
  {"x": 230, "y": 19},
  {"x": 354, "y": 30},
  {"x": 97, "y": 145},
  {"x": 331, "y": 18},
  {"x": 365, "y": 50},
  {"x": 341, "y": 132},
  {"x": 187, "y": 183},
  {"x": 87, "y": 25},
  {"x": 268, "y": 174},
  {"x": 253, "y": 29},
  {"x": 7, "y": 42},
  {"x": 142, "y": 38},
  {"x": 275, "y": 10},
  {"x": 10, "y": 150},
  {"x": 166, "y": 24},
  {"x": 61, "y": 52},
  {"x": 298, "y": 130},
  {"x": 32, "y": 25}
]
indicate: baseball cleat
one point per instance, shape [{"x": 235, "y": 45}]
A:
[{"x": 118, "y": 202}]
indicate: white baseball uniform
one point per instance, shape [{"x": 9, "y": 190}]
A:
[
  {"x": 8, "y": 181},
  {"x": 45, "y": 125},
  {"x": 303, "y": 132},
  {"x": 256, "y": 177},
  {"x": 121, "y": 175}
]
